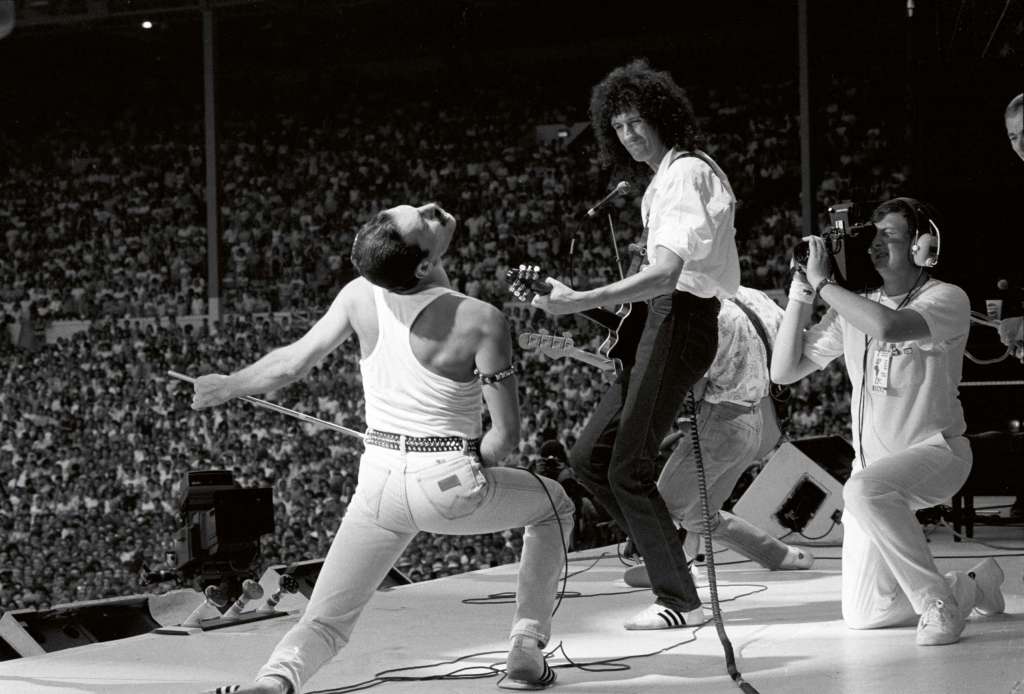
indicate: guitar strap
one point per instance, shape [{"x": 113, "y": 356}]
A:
[
  {"x": 641, "y": 246},
  {"x": 770, "y": 403}
]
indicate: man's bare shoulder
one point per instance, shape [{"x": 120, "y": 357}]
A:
[
  {"x": 479, "y": 316},
  {"x": 357, "y": 289}
]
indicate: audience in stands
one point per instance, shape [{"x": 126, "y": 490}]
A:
[{"x": 107, "y": 225}]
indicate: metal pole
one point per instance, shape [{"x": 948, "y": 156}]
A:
[
  {"x": 212, "y": 181},
  {"x": 808, "y": 183}
]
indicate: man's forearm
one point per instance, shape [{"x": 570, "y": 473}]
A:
[
  {"x": 272, "y": 371},
  {"x": 867, "y": 316},
  {"x": 789, "y": 342},
  {"x": 639, "y": 287}
]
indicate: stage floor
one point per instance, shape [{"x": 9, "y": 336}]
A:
[{"x": 785, "y": 629}]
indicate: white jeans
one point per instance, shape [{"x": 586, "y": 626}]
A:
[
  {"x": 399, "y": 494},
  {"x": 888, "y": 571},
  {"x": 730, "y": 439}
]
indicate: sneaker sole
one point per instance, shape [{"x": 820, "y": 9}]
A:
[{"x": 510, "y": 681}]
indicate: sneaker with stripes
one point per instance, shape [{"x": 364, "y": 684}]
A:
[
  {"x": 660, "y": 617},
  {"x": 526, "y": 667}
]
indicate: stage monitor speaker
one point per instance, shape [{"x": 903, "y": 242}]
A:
[
  {"x": 798, "y": 496},
  {"x": 306, "y": 573},
  {"x": 32, "y": 632}
]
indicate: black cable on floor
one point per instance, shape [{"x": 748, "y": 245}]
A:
[{"x": 709, "y": 554}]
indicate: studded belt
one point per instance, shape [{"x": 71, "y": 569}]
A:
[{"x": 421, "y": 444}]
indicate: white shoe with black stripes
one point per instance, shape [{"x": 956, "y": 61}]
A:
[{"x": 660, "y": 617}]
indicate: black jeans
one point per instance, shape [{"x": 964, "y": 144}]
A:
[{"x": 615, "y": 456}]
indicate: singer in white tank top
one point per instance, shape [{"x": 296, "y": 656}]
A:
[{"x": 431, "y": 358}]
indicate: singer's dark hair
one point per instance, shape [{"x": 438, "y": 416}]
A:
[
  {"x": 655, "y": 96},
  {"x": 383, "y": 257}
]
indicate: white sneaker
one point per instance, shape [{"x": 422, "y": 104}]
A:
[
  {"x": 940, "y": 623},
  {"x": 988, "y": 576},
  {"x": 796, "y": 559},
  {"x": 526, "y": 668},
  {"x": 660, "y": 617}
]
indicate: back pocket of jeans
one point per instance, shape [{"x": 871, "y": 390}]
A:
[{"x": 455, "y": 488}]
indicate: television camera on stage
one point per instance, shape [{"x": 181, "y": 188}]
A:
[
  {"x": 847, "y": 243},
  {"x": 218, "y": 541}
]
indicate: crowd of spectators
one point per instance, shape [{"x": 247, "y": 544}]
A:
[{"x": 95, "y": 438}]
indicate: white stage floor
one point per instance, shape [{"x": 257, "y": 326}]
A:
[{"x": 785, "y": 629}]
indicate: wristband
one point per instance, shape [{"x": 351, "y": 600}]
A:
[
  {"x": 824, "y": 283},
  {"x": 801, "y": 291}
]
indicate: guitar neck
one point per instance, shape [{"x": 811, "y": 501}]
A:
[{"x": 602, "y": 363}]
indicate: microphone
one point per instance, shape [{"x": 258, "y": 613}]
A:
[
  {"x": 620, "y": 188},
  {"x": 1012, "y": 304}
]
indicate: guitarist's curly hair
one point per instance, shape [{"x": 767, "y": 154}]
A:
[
  {"x": 383, "y": 257},
  {"x": 655, "y": 96}
]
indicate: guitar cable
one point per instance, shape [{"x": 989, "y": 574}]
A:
[{"x": 709, "y": 554}]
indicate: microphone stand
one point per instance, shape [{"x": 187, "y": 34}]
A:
[{"x": 615, "y": 247}]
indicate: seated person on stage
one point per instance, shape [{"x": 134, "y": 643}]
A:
[
  {"x": 903, "y": 346},
  {"x": 737, "y": 428},
  {"x": 430, "y": 358}
]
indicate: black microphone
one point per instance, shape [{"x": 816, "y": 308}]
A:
[
  {"x": 1012, "y": 302},
  {"x": 620, "y": 188}
]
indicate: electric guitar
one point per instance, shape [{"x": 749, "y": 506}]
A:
[
  {"x": 624, "y": 325},
  {"x": 554, "y": 347}
]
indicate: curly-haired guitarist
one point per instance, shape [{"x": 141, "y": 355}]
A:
[{"x": 641, "y": 115}]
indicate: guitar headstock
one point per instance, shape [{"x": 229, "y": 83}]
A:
[
  {"x": 548, "y": 345},
  {"x": 525, "y": 282}
]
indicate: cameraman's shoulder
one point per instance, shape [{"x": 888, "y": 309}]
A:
[
  {"x": 949, "y": 292},
  {"x": 946, "y": 298}
]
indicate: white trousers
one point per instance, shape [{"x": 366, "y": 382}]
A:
[
  {"x": 889, "y": 573},
  {"x": 399, "y": 494}
]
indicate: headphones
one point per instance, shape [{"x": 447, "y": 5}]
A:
[{"x": 925, "y": 248}]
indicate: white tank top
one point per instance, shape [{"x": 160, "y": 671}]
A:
[{"x": 402, "y": 395}]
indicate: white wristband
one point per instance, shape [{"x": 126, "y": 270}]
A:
[{"x": 801, "y": 291}]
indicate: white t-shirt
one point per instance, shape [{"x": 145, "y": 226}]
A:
[
  {"x": 689, "y": 208},
  {"x": 921, "y": 398}
]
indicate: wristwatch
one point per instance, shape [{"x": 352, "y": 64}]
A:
[{"x": 824, "y": 283}]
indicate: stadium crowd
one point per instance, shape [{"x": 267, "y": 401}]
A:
[{"x": 95, "y": 438}]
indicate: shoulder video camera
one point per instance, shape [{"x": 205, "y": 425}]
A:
[{"x": 847, "y": 245}]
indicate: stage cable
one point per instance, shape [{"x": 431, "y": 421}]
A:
[{"x": 709, "y": 553}]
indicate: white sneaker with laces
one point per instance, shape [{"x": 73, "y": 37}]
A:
[
  {"x": 988, "y": 576},
  {"x": 660, "y": 617},
  {"x": 940, "y": 623}
]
